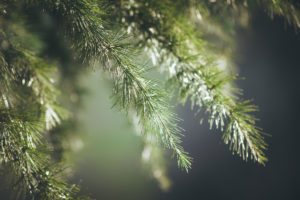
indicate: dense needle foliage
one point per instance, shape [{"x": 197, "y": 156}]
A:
[{"x": 48, "y": 43}]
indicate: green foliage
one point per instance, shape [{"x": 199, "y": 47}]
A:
[{"x": 47, "y": 43}]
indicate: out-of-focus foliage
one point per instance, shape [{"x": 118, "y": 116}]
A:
[{"x": 44, "y": 44}]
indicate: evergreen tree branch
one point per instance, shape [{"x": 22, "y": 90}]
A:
[
  {"x": 172, "y": 34},
  {"x": 25, "y": 102},
  {"x": 206, "y": 86},
  {"x": 93, "y": 43}
]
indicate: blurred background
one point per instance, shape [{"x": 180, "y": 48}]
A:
[{"x": 108, "y": 164}]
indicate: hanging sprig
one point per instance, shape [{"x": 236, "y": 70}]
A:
[
  {"x": 194, "y": 71},
  {"x": 133, "y": 91},
  {"x": 208, "y": 88}
]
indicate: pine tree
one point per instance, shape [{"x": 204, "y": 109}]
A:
[{"x": 44, "y": 44}]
